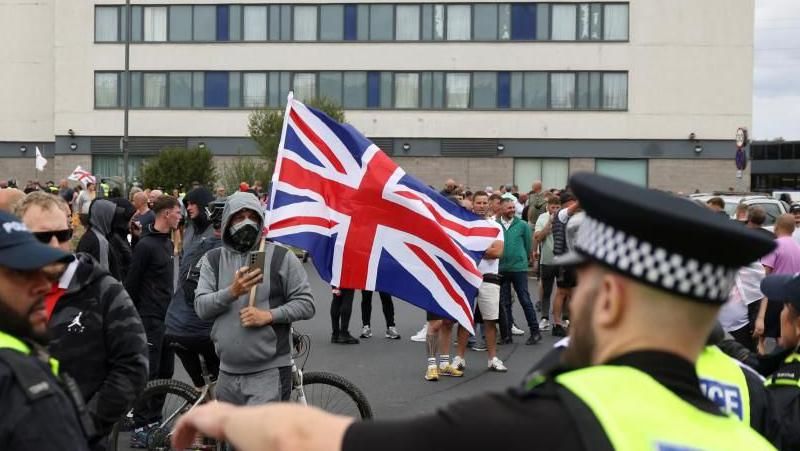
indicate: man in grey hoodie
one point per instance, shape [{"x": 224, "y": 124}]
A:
[{"x": 253, "y": 343}]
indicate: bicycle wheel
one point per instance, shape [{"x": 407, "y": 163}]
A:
[
  {"x": 178, "y": 398},
  {"x": 335, "y": 394}
]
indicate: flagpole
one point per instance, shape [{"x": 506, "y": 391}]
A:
[{"x": 127, "y": 94}]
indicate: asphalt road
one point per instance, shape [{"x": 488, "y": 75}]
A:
[{"x": 390, "y": 372}]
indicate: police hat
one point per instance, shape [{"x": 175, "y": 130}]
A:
[
  {"x": 661, "y": 240},
  {"x": 782, "y": 288}
]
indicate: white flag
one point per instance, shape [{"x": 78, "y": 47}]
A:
[
  {"x": 41, "y": 161},
  {"x": 82, "y": 175}
]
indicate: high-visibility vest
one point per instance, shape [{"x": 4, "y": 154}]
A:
[{"x": 722, "y": 380}]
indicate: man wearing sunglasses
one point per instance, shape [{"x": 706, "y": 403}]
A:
[{"x": 95, "y": 331}]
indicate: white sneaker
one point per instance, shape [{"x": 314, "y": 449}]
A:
[
  {"x": 459, "y": 363},
  {"x": 544, "y": 324},
  {"x": 516, "y": 330},
  {"x": 366, "y": 332},
  {"x": 497, "y": 365},
  {"x": 421, "y": 335}
]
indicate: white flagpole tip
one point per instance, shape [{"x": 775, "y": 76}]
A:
[{"x": 290, "y": 97}]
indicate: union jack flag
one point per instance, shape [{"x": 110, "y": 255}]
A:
[{"x": 369, "y": 225}]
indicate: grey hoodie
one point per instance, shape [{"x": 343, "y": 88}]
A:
[
  {"x": 101, "y": 217},
  {"x": 244, "y": 350}
]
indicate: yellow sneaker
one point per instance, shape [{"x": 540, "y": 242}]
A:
[
  {"x": 432, "y": 374},
  {"x": 450, "y": 370}
]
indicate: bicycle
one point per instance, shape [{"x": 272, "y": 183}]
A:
[{"x": 327, "y": 391}]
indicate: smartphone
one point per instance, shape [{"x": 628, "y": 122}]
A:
[{"x": 255, "y": 260}]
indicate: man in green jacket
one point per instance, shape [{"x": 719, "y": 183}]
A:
[{"x": 514, "y": 270}]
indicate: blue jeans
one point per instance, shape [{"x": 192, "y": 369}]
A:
[{"x": 520, "y": 282}]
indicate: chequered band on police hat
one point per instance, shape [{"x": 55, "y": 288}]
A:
[{"x": 654, "y": 265}]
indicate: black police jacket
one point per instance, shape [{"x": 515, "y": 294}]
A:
[
  {"x": 784, "y": 388},
  {"x": 36, "y": 413}
]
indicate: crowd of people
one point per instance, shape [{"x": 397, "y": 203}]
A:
[
  {"x": 110, "y": 309},
  {"x": 109, "y": 313}
]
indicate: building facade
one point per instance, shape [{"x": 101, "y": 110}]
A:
[{"x": 485, "y": 92}]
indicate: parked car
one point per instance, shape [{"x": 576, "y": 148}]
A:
[{"x": 772, "y": 207}]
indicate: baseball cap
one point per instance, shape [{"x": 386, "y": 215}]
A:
[
  {"x": 794, "y": 208},
  {"x": 20, "y": 250},
  {"x": 782, "y": 288}
]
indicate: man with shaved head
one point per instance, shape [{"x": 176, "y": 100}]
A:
[
  {"x": 449, "y": 188},
  {"x": 9, "y": 197},
  {"x": 143, "y": 216}
]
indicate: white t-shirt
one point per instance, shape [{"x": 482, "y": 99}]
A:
[
  {"x": 796, "y": 234},
  {"x": 733, "y": 315},
  {"x": 492, "y": 266}
]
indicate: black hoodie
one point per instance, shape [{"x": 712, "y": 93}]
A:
[
  {"x": 98, "y": 337},
  {"x": 150, "y": 277}
]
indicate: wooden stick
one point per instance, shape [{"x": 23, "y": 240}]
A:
[{"x": 253, "y": 290}]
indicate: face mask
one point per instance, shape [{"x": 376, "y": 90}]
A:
[{"x": 243, "y": 235}]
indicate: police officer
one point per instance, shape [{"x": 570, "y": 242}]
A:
[
  {"x": 784, "y": 384},
  {"x": 653, "y": 272},
  {"x": 37, "y": 413},
  {"x": 734, "y": 387}
]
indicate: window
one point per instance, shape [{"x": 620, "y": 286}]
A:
[
  {"x": 254, "y": 90},
  {"x": 106, "y": 92},
  {"x": 595, "y": 101},
  {"x": 216, "y": 92},
  {"x": 355, "y": 89},
  {"x": 180, "y": 23},
  {"x": 563, "y": 20},
  {"x": 386, "y": 89},
  {"x": 205, "y": 23},
  {"x": 136, "y": 89},
  {"x": 616, "y": 22},
  {"x": 406, "y": 90},
  {"x": 136, "y": 23},
  {"x": 484, "y": 93},
  {"x": 331, "y": 20},
  {"x": 485, "y": 22},
  {"x": 305, "y": 23},
  {"x": 583, "y": 22},
  {"x": 362, "y": 25},
  {"x": 305, "y": 86},
  {"x": 457, "y": 90},
  {"x": 615, "y": 91},
  {"x": 112, "y": 165},
  {"x": 223, "y": 22},
  {"x": 583, "y": 90},
  {"x": 631, "y": 171},
  {"x": 373, "y": 89},
  {"x": 235, "y": 22},
  {"x": 106, "y": 24},
  {"x": 459, "y": 23},
  {"x": 198, "y": 89},
  {"x": 553, "y": 172},
  {"x": 542, "y": 21},
  {"x": 180, "y": 90},
  {"x": 596, "y": 19},
  {"x": 155, "y": 23},
  {"x": 523, "y": 21},
  {"x": 155, "y": 90},
  {"x": 562, "y": 94},
  {"x": 535, "y": 90},
  {"x": 504, "y": 22},
  {"x": 255, "y": 23},
  {"x": 234, "y": 89},
  {"x": 330, "y": 86},
  {"x": 381, "y": 22},
  {"x": 503, "y": 89},
  {"x": 438, "y": 22},
  {"x": 407, "y": 23},
  {"x": 350, "y": 22}
]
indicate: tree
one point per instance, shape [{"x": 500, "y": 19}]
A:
[
  {"x": 244, "y": 169},
  {"x": 265, "y": 128},
  {"x": 178, "y": 166}
]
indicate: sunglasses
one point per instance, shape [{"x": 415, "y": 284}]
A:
[{"x": 61, "y": 235}]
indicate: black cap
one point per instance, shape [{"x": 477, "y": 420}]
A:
[
  {"x": 566, "y": 196},
  {"x": 782, "y": 288},
  {"x": 661, "y": 240},
  {"x": 20, "y": 250}
]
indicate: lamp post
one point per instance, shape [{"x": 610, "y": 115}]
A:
[{"x": 127, "y": 77}]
